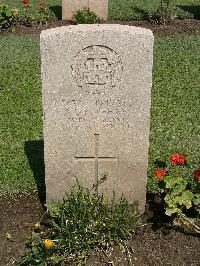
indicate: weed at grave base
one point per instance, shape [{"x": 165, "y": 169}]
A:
[{"x": 78, "y": 225}]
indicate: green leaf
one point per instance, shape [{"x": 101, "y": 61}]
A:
[
  {"x": 196, "y": 199},
  {"x": 8, "y": 12},
  {"x": 169, "y": 212},
  {"x": 186, "y": 199}
]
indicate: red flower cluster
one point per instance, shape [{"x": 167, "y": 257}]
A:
[
  {"x": 178, "y": 159},
  {"x": 25, "y": 2},
  {"x": 160, "y": 174},
  {"x": 197, "y": 174},
  {"x": 42, "y": 5}
]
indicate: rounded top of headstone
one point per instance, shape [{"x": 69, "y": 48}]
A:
[{"x": 97, "y": 28}]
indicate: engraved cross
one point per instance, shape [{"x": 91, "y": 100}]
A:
[
  {"x": 97, "y": 71},
  {"x": 96, "y": 158}
]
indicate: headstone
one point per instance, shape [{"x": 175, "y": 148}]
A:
[
  {"x": 96, "y": 83},
  {"x": 100, "y": 7}
]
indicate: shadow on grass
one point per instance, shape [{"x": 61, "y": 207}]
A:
[
  {"x": 144, "y": 14},
  {"x": 193, "y": 9},
  {"x": 57, "y": 10},
  {"x": 35, "y": 153},
  {"x": 159, "y": 164}
]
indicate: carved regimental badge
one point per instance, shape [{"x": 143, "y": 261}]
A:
[{"x": 96, "y": 69}]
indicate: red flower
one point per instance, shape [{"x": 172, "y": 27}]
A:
[
  {"x": 42, "y": 5},
  {"x": 178, "y": 159},
  {"x": 25, "y": 2},
  {"x": 160, "y": 174},
  {"x": 197, "y": 174}
]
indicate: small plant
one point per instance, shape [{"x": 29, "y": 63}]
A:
[
  {"x": 162, "y": 14},
  {"x": 39, "y": 13},
  {"x": 45, "y": 14},
  {"x": 28, "y": 13},
  {"x": 85, "y": 16},
  {"x": 78, "y": 225},
  {"x": 181, "y": 194},
  {"x": 7, "y": 16}
]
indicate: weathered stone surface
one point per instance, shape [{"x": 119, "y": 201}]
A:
[
  {"x": 100, "y": 7},
  {"x": 96, "y": 83}
]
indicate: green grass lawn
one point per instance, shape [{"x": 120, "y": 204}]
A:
[
  {"x": 175, "y": 116},
  {"x": 21, "y": 113},
  {"x": 130, "y": 9}
]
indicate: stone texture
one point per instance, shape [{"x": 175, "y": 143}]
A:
[
  {"x": 96, "y": 83},
  {"x": 100, "y": 7}
]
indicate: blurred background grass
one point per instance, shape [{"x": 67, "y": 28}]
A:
[{"x": 127, "y": 9}]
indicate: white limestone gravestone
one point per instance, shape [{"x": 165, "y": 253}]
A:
[
  {"x": 100, "y": 7},
  {"x": 96, "y": 83}
]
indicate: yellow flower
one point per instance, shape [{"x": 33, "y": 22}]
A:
[
  {"x": 48, "y": 243},
  {"x": 8, "y": 236},
  {"x": 37, "y": 226}
]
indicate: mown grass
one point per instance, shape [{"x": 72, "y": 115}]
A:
[
  {"x": 175, "y": 116},
  {"x": 140, "y": 9},
  {"x": 21, "y": 113},
  {"x": 129, "y": 9}
]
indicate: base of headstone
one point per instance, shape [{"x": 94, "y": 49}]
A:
[{"x": 100, "y": 7}]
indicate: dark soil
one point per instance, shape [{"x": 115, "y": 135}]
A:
[
  {"x": 161, "y": 246},
  {"x": 174, "y": 27},
  {"x": 17, "y": 218}
]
